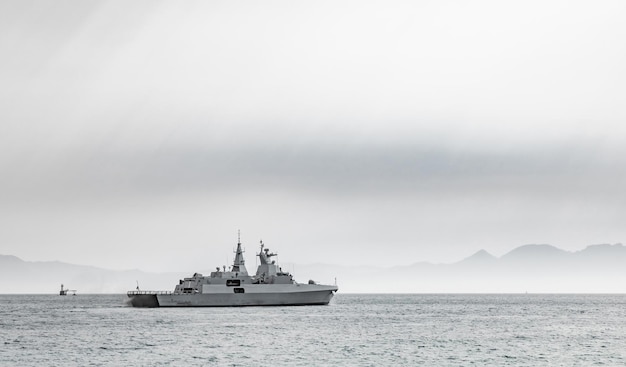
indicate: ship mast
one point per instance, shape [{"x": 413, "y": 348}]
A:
[{"x": 239, "y": 265}]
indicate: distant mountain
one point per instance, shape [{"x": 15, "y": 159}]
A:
[
  {"x": 605, "y": 253},
  {"x": 9, "y": 259},
  {"x": 535, "y": 253},
  {"x": 18, "y": 276},
  {"x": 528, "y": 268},
  {"x": 480, "y": 258}
]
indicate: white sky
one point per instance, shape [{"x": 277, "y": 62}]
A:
[{"x": 144, "y": 134}]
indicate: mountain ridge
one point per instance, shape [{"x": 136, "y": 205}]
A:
[{"x": 543, "y": 268}]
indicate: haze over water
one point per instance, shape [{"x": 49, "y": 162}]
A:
[{"x": 363, "y": 330}]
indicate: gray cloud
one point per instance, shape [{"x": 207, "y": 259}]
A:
[
  {"x": 431, "y": 129},
  {"x": 323, "y": 169}
]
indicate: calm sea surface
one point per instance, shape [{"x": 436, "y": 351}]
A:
[{"x": 354, "y": 330}]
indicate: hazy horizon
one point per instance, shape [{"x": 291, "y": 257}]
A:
[
  {"x": 212, "y": 262},
  {"x": 145, "y": 134},
  {"x": 529, "y": 268}
]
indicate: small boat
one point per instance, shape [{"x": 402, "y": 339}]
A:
[
  {"x": 270, "y": 286},
  {"x": 64, "y": 291}
]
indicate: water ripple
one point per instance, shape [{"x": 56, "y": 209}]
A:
[{"x": 363, "y": 330}]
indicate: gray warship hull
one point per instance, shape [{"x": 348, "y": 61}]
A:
[{"x": 267, "y": 295}]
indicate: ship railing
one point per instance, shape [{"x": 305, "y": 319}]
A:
[{"x": 137, "y": 293}]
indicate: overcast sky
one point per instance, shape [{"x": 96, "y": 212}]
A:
[{"x": 144, "y": 134}]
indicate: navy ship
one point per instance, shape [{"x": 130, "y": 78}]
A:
[{"x": 270, "y": 286}]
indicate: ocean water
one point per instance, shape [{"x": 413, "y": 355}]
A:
[{"x": 354, "y": 330}]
